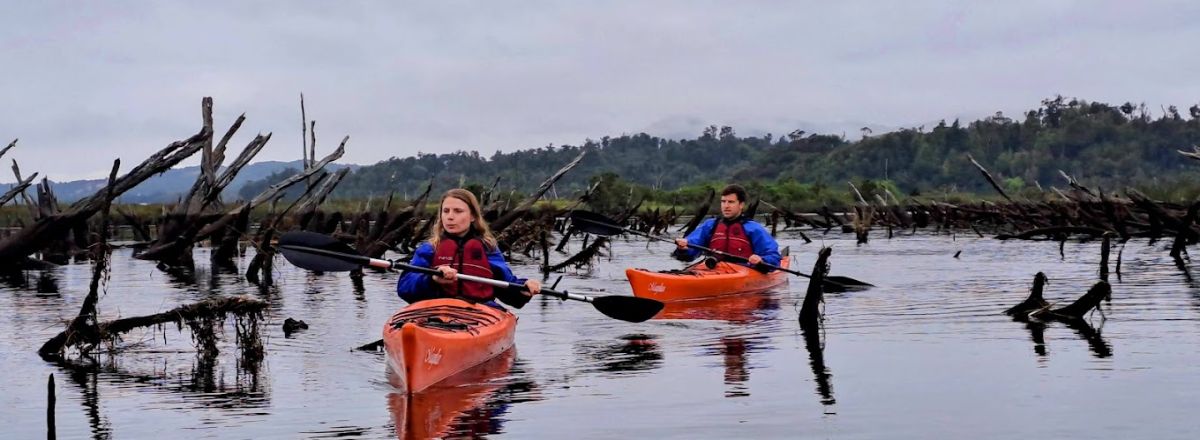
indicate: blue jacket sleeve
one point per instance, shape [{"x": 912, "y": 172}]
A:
[
  {"x": 413, "y": 286},
  {"x": 700, "y": 237},
  {"x": 500, "y": 269},
  {"x": 515, "y": 297},
  {"x": 764, "y": 245}
]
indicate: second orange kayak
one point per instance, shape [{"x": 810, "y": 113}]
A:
[
  {"x": 431, "y": 340},
  {"x": 700, "y": 282}
]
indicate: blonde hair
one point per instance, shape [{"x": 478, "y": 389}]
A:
[{"x": 480, "y": 226}]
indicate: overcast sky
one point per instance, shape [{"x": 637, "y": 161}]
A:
[{"x": 86, "y": 82}]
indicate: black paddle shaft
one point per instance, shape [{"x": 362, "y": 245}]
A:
[
  {"x": 319, "y": 252},
  {"x": 360, "y": 260}
]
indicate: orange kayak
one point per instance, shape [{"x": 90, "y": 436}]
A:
[
  {"x": 453, "y": 407},
  {"x": 698, "y": 281},
  {"x": 431, "y": 340}
]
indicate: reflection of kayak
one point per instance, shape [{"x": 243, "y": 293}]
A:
[
  {"x": 734, "y": 308},
  {"x": 699, "y": 281},
  {"x": 453, "y": 405},
  {"x": 431, "y": 340}
]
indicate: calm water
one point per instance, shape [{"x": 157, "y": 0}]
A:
[{"x": 927, "y": 353}]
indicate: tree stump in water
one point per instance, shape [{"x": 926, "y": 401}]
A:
[{"x": 810, "y": 313}]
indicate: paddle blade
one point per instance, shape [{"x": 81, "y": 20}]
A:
[
  {"x": 315, "y": 240},
  {"x": 594, "y": 223},
  {"x": 322, "y": 263},
  {"x": 313, "y": 251},
  {"x": 850, "y": 283},
  {"x": 627, "y": 308}
]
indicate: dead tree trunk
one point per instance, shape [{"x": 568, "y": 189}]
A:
[
  {"x": 14, "y": 248},
  {"x": 524, "y": 206},
  {"x": 810, "y": 309},
  {"x": 82, "y": 330},
  {"x": 1081, "y": 306},
  {"x": 178, "y": 244},
  {"x": 1035, "y": 301}
]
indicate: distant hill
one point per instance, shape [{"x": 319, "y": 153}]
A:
[
  {"x": 1102, "y": 145},
  {"x": 169, "y": 186}
]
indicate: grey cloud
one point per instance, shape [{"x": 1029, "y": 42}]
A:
[{"x": 440, "y": 76}]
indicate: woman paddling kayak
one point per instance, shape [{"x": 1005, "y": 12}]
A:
[
  {"x": 451, "y": 325},
  {"x": 461, "y": 242}
]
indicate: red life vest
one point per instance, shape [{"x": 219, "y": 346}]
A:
[
  {"x": 730, "y": 237},
  {"x": 468, "y": 257}
]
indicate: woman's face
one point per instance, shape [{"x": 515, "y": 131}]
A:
[{"x": 456, "y": 216}]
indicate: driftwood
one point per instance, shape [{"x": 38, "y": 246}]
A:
[
  {"x": 325, "y": 186},
  {"x": 1035, "y": 301},
  {"x": 700, "y": 212},
  {"x": 14, "y": 248},
  {"x": 82, "y": 330},
  {"x": 24, "y": 196},
  {"x": 1080, "y": 307},
  {"x": 389, "y": 232},
  {"x": 18, "y": 189},
  {"x": 989, "y": 177},
  {"x": 524, "y": 206},
  {"x": 177, "y": 245},
  {"x": 810, "y": 313},
  {"x": 181, "y": 223}
]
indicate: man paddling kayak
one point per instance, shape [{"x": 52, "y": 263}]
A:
[
  {"x": 462, "y": 242},
  {"x": 732, "y": 233}
]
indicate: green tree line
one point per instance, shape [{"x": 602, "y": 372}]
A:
[{"x": 1102, "y": 145}]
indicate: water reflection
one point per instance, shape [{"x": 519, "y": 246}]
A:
[
  {"x": 816, "y": 356},
  {"x": 737, "y": 372},
  {"x": 205, "y": 385},
  {"x": 46, "y": 280},
  {"x": 1096, "y": 342},
  {"x": 636, "y": 353},
  {"x": 734, "y": 349},
  {"x": 471, "y": 404},
  {"x": 47, "y": 283},
  {"x": 1037, "y": 333},
  {"x": 87, "y": 383},
  {"x": 181, "y": 277},
  {"x": 743, "y": 308}
]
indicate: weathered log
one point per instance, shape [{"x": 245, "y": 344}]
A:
[
  {"x": 989, "y": 178},
  {"x": 82, "y": 330},
  {"x": 1194, "y": 154},
  {"x": 1054, "y": 232},
  {"x": 1081, "y": 306},
  {"x": 700, "y": 212},
  {"x": 24, "y": 196},
  {"x": 396, "y": 230},
  {"x": 16, "y": 247},
  {"x": 1034, "y": 302},
  {"x": 207, "y": 188},
  {"x": 1182, "y": 239},
  {"x": 325, "y": 186},
  {"x": 524, "y": 206},
  {"x": 18, "y": 189},
  {"x": 810, "y": 313},
  {"x": 50, "y": 425},
  {"x": 181, "y": 243},
  {"x": 21, "y": 185},
  {"x": 582, "y": 258}
]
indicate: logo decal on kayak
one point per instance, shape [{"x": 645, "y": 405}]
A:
[
  {"x": 658, "y": 288},
  {"x": 433, "y": 357}
]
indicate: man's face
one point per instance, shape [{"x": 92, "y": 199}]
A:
[{"x": 730, "y": 206}]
